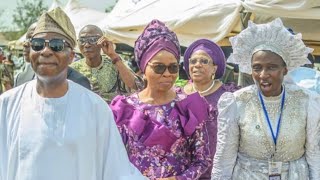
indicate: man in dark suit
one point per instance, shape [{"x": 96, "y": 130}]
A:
[{"x": 28, "y": 74}]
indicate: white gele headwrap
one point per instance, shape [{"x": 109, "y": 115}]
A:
[{"x": 272, "y": 36}]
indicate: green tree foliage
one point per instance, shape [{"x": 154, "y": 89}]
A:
[
  {"x": 27, "y": 12},
  {"x": 8, "y": 33}
]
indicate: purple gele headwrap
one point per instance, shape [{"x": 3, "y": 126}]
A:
[
  {"x": 212, "y": 49},
  {"x": 154, "y": 38}
]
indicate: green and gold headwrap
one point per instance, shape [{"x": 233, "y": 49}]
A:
[{"x": 56, "y": 21}]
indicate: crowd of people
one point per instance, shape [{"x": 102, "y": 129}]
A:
[{"x": 97, "y": 119}]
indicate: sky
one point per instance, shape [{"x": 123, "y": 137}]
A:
[{"x": 8, "y": 6}]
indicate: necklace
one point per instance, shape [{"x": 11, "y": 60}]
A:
[{"x": 205, "y": 91}]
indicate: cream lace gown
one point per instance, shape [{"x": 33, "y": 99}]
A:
[{"x": 245, "y": 142}]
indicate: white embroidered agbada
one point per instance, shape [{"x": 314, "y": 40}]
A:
[
  {"x": 69, "y": 138},
  {"x": 245, "y": 142}
]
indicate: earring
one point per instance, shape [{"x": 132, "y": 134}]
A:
[
  {"x": 213, "y": 76},
  {"x": 144, "y": 79}
]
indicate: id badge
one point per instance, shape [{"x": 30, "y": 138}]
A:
[{"x": 275, "y": 170}]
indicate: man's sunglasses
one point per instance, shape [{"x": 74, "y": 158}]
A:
[
  {"x": 56, "y": 45},
  {"x": 202, "y": 61},
  {"x": 90, "y": 40},
  {"x": 161, "y": 68}
]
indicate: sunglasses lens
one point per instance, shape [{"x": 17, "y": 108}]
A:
[
  {"x": 37, "y": 44},
  {"x": 193, "y": 61},
  {"x": 204, "y": 61},
  {"x": 93, "y": 40},
  {"x": 160, "y": 68},
  {"x": 89, "y": 40},
  {"x": 82, "y": 41},
  {"x": 173, "y": 68},
  {"x": 56, "y": 45}
]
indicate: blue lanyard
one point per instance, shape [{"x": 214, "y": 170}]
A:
[{"x": 274, "y": 136}]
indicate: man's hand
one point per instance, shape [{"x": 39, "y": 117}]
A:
[{"x": 107, "y": 47}]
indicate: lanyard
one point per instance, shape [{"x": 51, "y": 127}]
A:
[{"x": 274, "y": 135}]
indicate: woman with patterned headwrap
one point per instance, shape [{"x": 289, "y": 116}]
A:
[
  {"x": 205, "y": 63},
  {"x": 269, "y": 130},
  {"x": 164, "y": 131}
]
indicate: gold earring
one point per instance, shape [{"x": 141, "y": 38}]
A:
[{"x": 213, "y": 76}]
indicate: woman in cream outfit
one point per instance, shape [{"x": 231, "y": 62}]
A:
[{"x": 271, "y": 124}]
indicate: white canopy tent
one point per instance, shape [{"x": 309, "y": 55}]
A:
[
  {"x": 300, "y": 15},
  {"x": 299, "y": 9},
  {"x": 215, "y": 20},
  {"x": 81, "y": 16},
  {"x": 194, "y": 19},
  {"x": 191, "y": 19}
]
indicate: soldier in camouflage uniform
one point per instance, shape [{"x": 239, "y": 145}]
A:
[{"x": 6, "y": 73}]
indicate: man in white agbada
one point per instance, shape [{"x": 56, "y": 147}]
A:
[{"x": 55, "y": 129}]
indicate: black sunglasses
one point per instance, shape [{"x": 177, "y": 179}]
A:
[
  {"x": 161, "y": 68},
  {"x": 90, "y": 40},
  {"x": 56, "y": 45}
]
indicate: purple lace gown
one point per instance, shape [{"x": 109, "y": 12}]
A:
[
  {"x": 212, "y": 122},
  {"x": 165, "y": 140}
]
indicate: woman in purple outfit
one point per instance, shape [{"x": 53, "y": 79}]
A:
[
  {"x": 205, "y": 63},
  {"x": 163, "y": 130}
]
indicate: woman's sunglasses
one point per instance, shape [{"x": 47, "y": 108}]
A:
[
  {"x": 56, "y": 45},
  {"x": 202, "y": 61},
  {"x": 161, "y": 68}
]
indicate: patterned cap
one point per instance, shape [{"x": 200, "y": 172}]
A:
[{"x": 56, "y": 21}]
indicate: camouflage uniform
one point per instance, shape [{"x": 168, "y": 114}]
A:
[{"x": 6, "y": 75}]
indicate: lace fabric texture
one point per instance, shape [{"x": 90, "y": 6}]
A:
[
  {"x": 253, "y": 169},
  {"x": 245, "y": 143}
]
